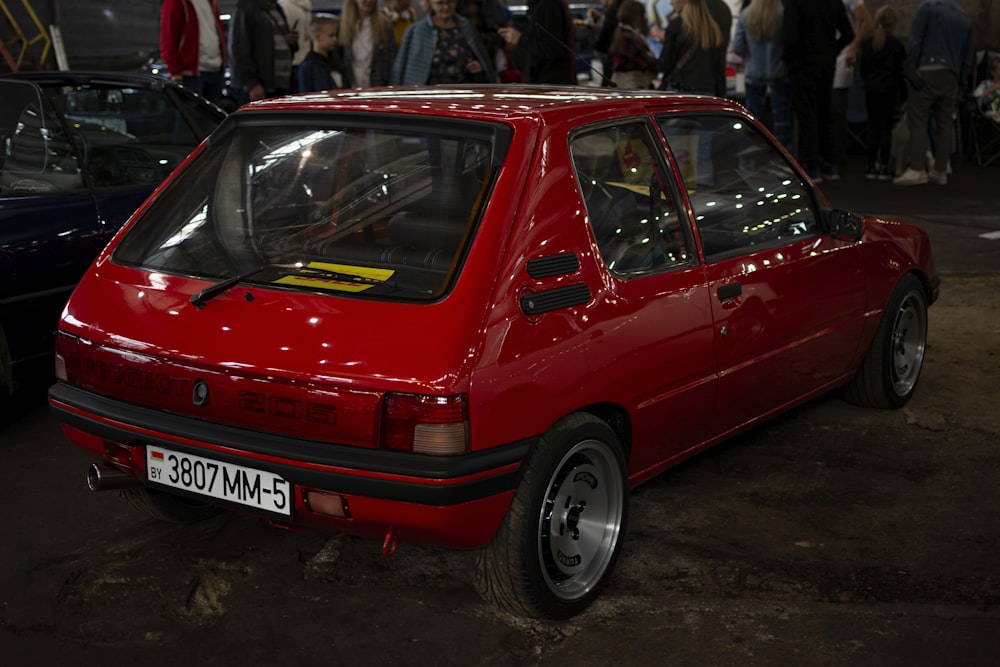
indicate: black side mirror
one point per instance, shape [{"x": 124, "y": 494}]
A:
[{"x": 845, "y": 225}]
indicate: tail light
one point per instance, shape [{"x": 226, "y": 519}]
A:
[
  {"x": 436, "y": 425},
  {"x": 67, "y": 358}
]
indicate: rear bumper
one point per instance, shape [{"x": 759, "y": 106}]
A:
[{"x": 454, "y": 501}]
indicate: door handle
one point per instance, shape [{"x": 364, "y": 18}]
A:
[{"x": 729, "y": 291}]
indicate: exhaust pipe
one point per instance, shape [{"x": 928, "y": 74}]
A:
[{"x": 101, "y": 477}]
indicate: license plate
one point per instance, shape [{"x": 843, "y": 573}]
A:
[{"x": 258, "y": 489}]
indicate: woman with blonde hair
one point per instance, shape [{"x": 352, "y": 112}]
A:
[
  {"x": 758, "y": 40},
  {"x": 693, "y": 58},
  {"x": 369, "y": 44}
]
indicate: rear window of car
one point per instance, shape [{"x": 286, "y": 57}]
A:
[{"x": 351, "y": 208}]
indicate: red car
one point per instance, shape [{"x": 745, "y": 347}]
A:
[{"x": 475, "y": 318}]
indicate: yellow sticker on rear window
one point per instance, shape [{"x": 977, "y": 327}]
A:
[
  {"x": 367, "y": 277},
  {"x": 361, "y": 271}
]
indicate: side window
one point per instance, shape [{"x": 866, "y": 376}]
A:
[
  {"x": 742, "y": 190},
  {"x": 37, "y": 156},
  {"x": 129, "y": 136},
  {"x": 631, "y": 211}
]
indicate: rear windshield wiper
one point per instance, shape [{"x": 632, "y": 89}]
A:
[{"x": 204, "y": 296}]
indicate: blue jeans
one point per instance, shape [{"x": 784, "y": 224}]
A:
[{"x": 781, "y": 114}]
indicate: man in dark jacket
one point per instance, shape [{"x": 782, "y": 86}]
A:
[
  {"x": 261, "y": 46},
  {"x": 814, "y": 31},
  {"x": 940, "y": 56},
  {"x": 545, "y": 51}
]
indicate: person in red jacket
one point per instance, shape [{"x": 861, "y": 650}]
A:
[{"x": 193, "y": 45}]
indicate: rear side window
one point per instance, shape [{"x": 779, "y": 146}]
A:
[
  {"x": 349, "y": 210},
  {"x": 632, "y": 213}
]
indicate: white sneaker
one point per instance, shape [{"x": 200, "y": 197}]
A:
[
  {"x": 911, "y": 177},
  {"x": 931, "y": 162}
]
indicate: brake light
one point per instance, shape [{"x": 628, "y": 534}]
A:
[
  {"x": 436, "y": 425},
  {"x": 67, "y": 358}
]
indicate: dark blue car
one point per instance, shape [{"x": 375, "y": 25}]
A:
[{"x": 80, "y": 151}]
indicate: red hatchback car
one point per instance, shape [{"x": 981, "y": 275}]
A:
[{"x": 474, "y": 318}]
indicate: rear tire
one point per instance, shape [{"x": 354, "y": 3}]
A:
[
  {"x": 563, "y": 531},
  {"x": 166, "y": 506},
  {"x": 889, "y": 372}
]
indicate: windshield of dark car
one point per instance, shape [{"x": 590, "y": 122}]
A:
[{"x": 393, "y": 207}]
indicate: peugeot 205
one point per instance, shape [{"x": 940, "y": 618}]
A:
[{"x": 474, "y": 318}]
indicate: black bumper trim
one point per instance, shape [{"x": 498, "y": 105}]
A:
[{"x": 423, "y": 467}]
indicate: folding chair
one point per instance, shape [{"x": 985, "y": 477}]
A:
[{"x": 985, "y": 137}]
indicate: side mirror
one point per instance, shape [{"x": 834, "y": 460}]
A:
[{"x": 845, "y": 225}]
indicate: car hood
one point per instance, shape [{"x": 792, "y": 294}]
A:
[{"x": 309, "y": 365}]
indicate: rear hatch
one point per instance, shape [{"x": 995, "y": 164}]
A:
[{"x": 293, "y": 274}]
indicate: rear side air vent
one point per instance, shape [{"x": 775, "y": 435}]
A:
[
  {"x": 556, "y": 265},
  {"x": 554, "y": 299}
]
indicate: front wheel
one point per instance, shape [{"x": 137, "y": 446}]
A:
[
  {"x": 888, "y": 374},
  {"x": 563, "y": 530}
]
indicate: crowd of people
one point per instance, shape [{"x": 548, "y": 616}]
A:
[{"x": 801, "y": 59}]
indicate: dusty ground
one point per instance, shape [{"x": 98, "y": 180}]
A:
[{"x": 833, "y": 536}]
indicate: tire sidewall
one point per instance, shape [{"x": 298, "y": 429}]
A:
[
  {"x": 542, "y": 466},
  {"x": 908, "y": 286}
]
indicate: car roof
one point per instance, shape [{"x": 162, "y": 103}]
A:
[
  {"x": 491, "y": 102},
  {"x": 80, "y": 78}
]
